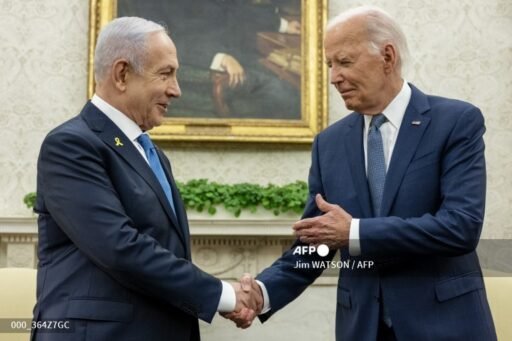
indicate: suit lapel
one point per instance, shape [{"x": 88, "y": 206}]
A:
[
  {"x": 406, "y": 144},
  {"x": 354, "y": 148},
  {"x": 114, "y": 137},
  {"x": 178, "y": 202}
]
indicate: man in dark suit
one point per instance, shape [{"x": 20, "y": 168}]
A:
[
  {"x": 400, "y": 182},
  {"x": 114, "y": 251}
]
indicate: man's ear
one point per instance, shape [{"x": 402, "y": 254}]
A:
[
  {"x": 120, "y": 71},
  {"x": 390, "y": 58}
]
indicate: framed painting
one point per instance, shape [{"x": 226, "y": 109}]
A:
[{"x": 250, "y": 70}]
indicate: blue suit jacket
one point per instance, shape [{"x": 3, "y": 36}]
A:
[
  {"x": 113, "y": 257},
  {"x": 426, "y": 269}
]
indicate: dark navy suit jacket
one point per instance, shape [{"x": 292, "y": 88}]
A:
[
  {"x": 113, "y": 257},
  {"x": 426, "y": 269}
]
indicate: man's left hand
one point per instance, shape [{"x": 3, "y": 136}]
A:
[{"x": 331, "y": 228}]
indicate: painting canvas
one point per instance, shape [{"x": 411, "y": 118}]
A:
[{"x": 245, "y": 67}]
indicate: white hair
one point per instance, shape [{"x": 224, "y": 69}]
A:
[
  {"x": 381, "y": 28},
  {"x": 126, "y": 38}
]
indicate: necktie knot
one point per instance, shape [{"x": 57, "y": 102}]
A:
[
  {"x": 145, "y": 142},
  {"x": 378, "y": 120}
]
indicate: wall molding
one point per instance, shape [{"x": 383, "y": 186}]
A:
[
  {"x": 199, "y": 226},
  {"x": 222, "y": 247}
]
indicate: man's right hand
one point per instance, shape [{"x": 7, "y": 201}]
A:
[
  {"x": 234, "y": 70},
  {"x": 249, "y": 302}
]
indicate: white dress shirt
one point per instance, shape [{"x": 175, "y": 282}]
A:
[
  {"x": 394, "y": 113},
  {"x": 132, "y": 131}
]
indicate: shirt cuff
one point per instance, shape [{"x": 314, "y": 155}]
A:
[
  {"x": 227, "y": 300},
  {"x": 354, "y": 245},
  {"x": 217, "y": 62},
  {"x": 283, "y": 26},
  {"x": 266, "y": 299}
]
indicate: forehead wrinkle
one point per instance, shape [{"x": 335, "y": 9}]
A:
[{"x": 346, "y": 47}]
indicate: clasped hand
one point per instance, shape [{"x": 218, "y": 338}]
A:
[
  {"x": 332, "y": 228},
  {"x": 249, "y": 302}
]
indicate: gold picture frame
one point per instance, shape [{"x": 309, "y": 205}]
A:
[{"x": 312, "y": 80}]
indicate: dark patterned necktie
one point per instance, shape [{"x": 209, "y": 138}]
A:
[{"x": 376, "y": 163}]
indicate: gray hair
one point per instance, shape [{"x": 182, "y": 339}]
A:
[
  {"x": 126, "y": 38},
  {"x": 382, "y": 29}
]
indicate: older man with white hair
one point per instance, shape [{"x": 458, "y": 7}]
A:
[
  {"x": 114, "y": 244},
  {"x": 398, "y": 187}
]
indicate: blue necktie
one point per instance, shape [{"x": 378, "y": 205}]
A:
[
  {"x": 376, "y": 180},
  {"x": 156, "y": 167},
  {"x": 376, "y": 163}
]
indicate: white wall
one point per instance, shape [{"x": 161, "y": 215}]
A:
[
  {"x": 460, "y": 49},
  {"x": 43, "y": 60}
]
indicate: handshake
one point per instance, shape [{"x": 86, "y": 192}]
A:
[{"x": 249, "y": 302}]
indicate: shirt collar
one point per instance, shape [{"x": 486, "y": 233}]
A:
[
  {"x": 395, "y": 111},
  {"x": 123, "y": 122}
]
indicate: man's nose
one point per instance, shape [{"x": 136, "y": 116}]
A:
[
  {"x": 173, "y": 90},
  {"x": 336, "y": 75}
]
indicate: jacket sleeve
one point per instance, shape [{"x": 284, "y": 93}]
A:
[{"x": 284, "y": 280}]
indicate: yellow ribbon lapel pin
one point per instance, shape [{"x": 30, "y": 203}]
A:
[{"x": 118, "y": 142}]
